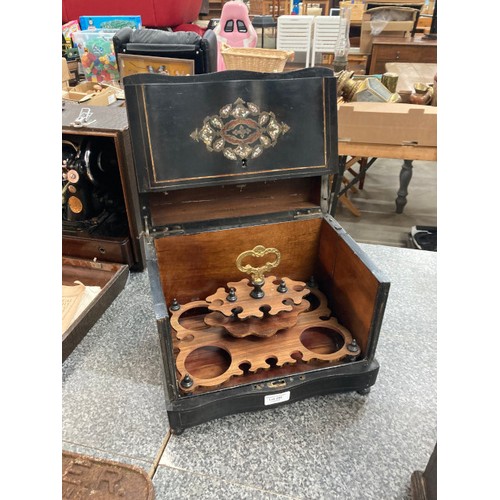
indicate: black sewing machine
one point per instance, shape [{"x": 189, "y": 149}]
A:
[{"x": 92, "y": 199}]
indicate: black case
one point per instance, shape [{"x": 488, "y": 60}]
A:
[{"x": 203, "y": 205}]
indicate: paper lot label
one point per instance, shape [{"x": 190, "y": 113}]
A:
[{"x": 272, "y": 399}]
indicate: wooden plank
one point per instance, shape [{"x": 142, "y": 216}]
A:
[{"x": 427, "y": 153}]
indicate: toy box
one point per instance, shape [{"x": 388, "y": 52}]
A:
[
  {"x": 110, "y": 22},
  {"x": 68, "y": 29},
  {"x": 97, "y": 55}
]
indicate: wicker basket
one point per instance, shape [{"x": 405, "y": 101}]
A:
[{"x": 255, "y": 59}]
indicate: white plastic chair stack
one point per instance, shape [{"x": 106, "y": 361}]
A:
[
  {"x": 295, "y": 33},
  {"x": 326, "y": 33}
]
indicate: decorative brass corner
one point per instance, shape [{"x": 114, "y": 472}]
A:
[{"x": 240, "y": 131}]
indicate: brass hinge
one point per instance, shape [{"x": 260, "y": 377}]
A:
[
  {"x": 149, "y": 233},
  {"x": 306, "y": 213},
  {"x": 173, "y": 230},
  {"x": 145, "y": 232}
]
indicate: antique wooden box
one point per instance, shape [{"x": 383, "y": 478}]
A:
[
  {"x": 100, "y": 221},
  {"x": 234, "y": 172}
]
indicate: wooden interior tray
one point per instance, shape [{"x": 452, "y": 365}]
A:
[
  {"x": 209, "y": 357},
  {"x": 110, "y": 277},
  {"x": 308, "y": 248}
]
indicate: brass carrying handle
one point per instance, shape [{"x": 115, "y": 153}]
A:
[{"x": 257, "y": 273}]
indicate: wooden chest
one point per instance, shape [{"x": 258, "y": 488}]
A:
[
  {"x": 100, "y": 225},
  {"x": 234, "y": 172}
]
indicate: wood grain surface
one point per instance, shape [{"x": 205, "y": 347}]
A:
[
  {"x": 211, "y": 357},
  {"x": 193, "y": 266},
  {"x": 272, "y": 303},
  {"x": 239, "y": 200}
]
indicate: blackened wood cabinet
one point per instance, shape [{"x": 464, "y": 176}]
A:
[{"x": 227, "y": 162}]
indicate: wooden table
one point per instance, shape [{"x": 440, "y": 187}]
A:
[
  {"x": 385, "y": 49},
  {"x": 373, "y": 151}
]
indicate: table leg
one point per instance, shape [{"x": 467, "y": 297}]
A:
[
  {"x": 404, "y": 180},
  {"x": 336, "y": 184}
]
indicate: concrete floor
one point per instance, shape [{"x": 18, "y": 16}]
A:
[{"x": 379, "y": 223}]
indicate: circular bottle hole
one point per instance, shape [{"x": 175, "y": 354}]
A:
[
  {"x": 207, "y": 362},
  {"x": 193, "y": 319},
  {"x": 322, "y": 340},
  {"x": 297, "y": 355}
]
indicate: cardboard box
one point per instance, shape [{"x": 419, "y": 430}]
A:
[
  {"x": 87, "y": 93},
  {"x": 66, "y": 75},
  {"x": 387, "y": 123},
  {"x": 358, "y": 7},
  {"x": 370, "y": 28},
  {"x": 69, "y": 73}
]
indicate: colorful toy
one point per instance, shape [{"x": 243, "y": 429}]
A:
[
  {"x": 97, "y": 55},
  {"x": 68, "y": 29}
]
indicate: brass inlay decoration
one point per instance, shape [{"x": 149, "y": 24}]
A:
[
  {"x": 240, "y": 131},
  {"x": 156, "y": 179}
]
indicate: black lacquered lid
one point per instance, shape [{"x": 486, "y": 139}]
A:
[{"x": 231, "y": 127}]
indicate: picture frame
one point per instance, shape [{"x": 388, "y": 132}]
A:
[{"x": 132, "y": 64}]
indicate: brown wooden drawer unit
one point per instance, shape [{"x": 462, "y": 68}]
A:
[
  {"x": 392, "y": 49},
  {"x": 107, "y": 249}
]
